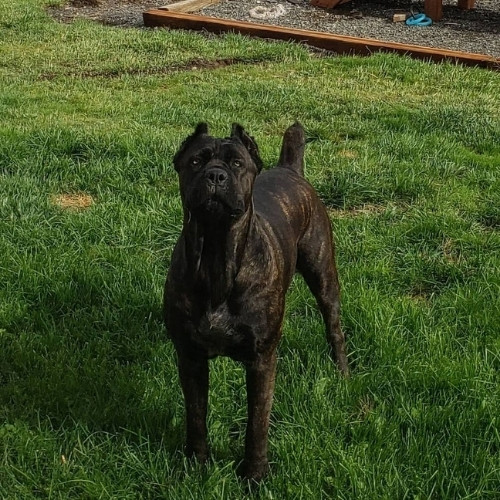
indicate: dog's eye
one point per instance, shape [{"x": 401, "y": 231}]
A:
[
  {"x": 195, "y": 162},
  {"x": 237, "y": 163}
]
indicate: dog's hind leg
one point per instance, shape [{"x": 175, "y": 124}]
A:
[{"x": 316, "y": 263}]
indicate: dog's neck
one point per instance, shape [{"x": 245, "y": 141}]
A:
[{"x": 214, "y": 253}]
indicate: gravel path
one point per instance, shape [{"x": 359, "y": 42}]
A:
[{"x": 475, "y": 30}]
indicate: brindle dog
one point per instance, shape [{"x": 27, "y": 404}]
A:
[{"x": 244, "y": 235}]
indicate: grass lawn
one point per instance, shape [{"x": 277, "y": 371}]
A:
[{"x": 405, "y": 154}]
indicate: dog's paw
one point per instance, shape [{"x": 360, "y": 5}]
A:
[
  {"x": 344, "y": 368},
  {"x": 200, "y": 453},
  {"x": 253, "y": 471}
]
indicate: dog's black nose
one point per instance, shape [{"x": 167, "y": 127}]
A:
[{"x": 216, "y": 176}]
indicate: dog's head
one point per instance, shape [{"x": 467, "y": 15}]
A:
[{"x": 216, "y": 175}]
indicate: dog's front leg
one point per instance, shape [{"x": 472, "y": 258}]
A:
[
  {"x": 260, "y": 389},
  {"x": 193, "y": 373}
]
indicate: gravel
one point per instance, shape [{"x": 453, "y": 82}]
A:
[{"x": 476, "y": 30}]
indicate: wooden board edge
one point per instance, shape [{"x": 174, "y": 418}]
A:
[
  {"x": 188, "y": 5},
  {"x": 325, "y": 4},
  {"x": 336, "y": 43}
]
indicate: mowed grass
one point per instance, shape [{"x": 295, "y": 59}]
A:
[{"x": 406, "y": 156}]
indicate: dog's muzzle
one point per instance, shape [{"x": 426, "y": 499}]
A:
[{"x": 216, "y": 179}]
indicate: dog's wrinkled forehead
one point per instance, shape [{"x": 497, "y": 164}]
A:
[
  {"x": 203, "y": 147},
  {"x": 228, "y": 149},
  {"x": 211, "y": 149}
]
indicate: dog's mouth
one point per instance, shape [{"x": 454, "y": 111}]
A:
[{"x": 216, "y": 205}]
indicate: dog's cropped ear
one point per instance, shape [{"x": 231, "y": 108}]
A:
[
  {"x": 201, "y": 129},
  {"x": 238, "y": 132}
]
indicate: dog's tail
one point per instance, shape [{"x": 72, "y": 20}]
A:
[{"x": 292, "y": 149}]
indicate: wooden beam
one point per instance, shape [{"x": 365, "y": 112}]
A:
[
  {"x": 188, "y": 5},
  {"x": 434, "y": 9},
  {"x": 325, "y": 4},
  {"x": 466, "y": 4},
  {"x": 335, "y": 43}
]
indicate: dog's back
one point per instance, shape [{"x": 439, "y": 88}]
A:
[
  {"x": 282, "y": 195},
  {"x": 286, "y": 202}
]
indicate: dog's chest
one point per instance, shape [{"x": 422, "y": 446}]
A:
[{"x": 219, "y": 333}]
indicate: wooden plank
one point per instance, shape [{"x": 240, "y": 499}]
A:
[
  {"x": 188, "y": 5},
  {"x": 466, "y": 4},
  {"x": 335, "y": 43},
  {"x": 325, "y": 4},
  {"x": 399, "y": 18},
  {"x": 434, "y": 9}
]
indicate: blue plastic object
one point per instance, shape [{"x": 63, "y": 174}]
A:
[{"x": 419, "y": 20}]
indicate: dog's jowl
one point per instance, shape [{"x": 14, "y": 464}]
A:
[{"x": 245, "y": 233}]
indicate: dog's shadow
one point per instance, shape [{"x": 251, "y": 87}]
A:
[
  {"x": 69, "y": 361},
  {"x": 80, "y": 361}
]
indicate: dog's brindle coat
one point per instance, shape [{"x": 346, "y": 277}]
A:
[{"x": 243, "y": 237}]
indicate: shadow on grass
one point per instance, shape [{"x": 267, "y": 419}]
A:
[{"x": 75, "y": 354}]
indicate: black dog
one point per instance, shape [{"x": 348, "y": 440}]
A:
[{"x": 244, "y": 235}]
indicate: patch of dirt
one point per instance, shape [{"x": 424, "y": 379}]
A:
[
  {"x": 451, "y": 252},
  {"x": 348, "y": 153},
  {"x": 73, "y": 201},
  {"x": 193, "y": 65},
  {"x": 126, "y": 13},
  {"x": 476, "y": 30},
  {"x": 367, "y": 209}
]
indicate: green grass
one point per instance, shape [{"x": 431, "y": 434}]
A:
[{"x": 405, "y": 154}]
